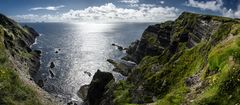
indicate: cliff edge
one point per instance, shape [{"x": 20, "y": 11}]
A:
[
  {"x": 193, "y": 60},
  {"x": 18, "y": 62}
]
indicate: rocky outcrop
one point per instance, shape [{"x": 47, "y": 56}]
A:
[
  {"x": 122, "y": 66},
  {"x": 153, "y": 42},
  {"x": 96, "y": 89}
]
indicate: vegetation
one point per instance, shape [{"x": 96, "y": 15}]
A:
[
  {"x": 206, "y": 74},
  {"x": 13, "y": 90}
]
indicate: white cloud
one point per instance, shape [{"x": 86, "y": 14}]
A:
[
  {"x": 215, "y": 5},
  {"x": 52, "y": 8},
  {"x": 162, "y": 2},
  {"x": 110, "y": 13},
  {"x": 232, "y": 13},
  {"x": 130, "y": 1}
]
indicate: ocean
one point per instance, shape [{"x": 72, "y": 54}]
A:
[{"x": 76, "y": 48}]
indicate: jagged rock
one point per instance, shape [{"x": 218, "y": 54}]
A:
[
  {"x": 153, "y": 42},
  {"x": 97, "y": 87},
  {"x": 120, "y": 48},
  {"x": 122, "y": 66}
]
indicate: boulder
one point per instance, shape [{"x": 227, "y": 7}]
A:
[
  {"x": 97, "y": 88},
  {"x": 82, "y": 93}
]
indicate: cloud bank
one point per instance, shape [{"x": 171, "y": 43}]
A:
[
  {"x": 216, "y": 6},
  {"x": 51, "y": 8},
  {"x": 109, "y": 13},
  {"x": 208, "y": 5},
  {"x": 130, "y": 1}
]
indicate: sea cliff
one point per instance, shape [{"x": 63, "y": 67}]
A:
[
  {"x": 193, "y": 60},
  {"x": 18, "y": 63}
]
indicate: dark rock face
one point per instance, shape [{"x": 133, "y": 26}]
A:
[
  {"x": 166, "y": 55},
  {"x": 154, "y": 40},
  {"x": 97, "y": 87}
]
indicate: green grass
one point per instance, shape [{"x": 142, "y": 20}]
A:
[
  {"x": 121, "y": 93},
  {"x": 13, "y": 91},
  {"x": 215, "y": 59}
]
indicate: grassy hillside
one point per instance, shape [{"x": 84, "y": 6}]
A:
[
  {"x": 200, "y": 66},
  {"x": 17, "y": 62}
]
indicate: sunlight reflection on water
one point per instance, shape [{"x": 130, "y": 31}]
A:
[{"x": 82, "y": 47}]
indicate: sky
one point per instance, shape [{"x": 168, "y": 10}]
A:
[{"x": 113, "y": 10}]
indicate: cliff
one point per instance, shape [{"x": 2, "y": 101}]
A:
[
  {"x": 192, "y": 60},
  {"x": 18, "y": 63}
]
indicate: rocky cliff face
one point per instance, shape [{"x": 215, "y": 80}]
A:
[
  {"x": 18, "y": 62},
  {"x": 192, "y": 60}
]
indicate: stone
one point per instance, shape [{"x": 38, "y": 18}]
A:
[
  {"x": 40, "y": 83},
  {"x": 83, "y": 91},
  {"x": 122, "y": 66},
  {"x": 97, "y": 87},
  {"x": 88, "y": 73},
  {"x": 52, "y": 65}
]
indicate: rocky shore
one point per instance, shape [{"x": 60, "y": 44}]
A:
[{"x": 192, "y": 60}]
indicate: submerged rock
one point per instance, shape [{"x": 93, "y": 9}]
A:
[
  {"x": 52, "y": 65},
  {"x": 83, "y": 91},
  {"x": 88, "y": 73},
  {"x": 97, "y": 88},
  {"x": 51, "y": 73}
]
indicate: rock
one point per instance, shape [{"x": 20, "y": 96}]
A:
[
  {"x": 122, "y": 66},
  {"x": 97, "y": 87},
  {"x": 82, "y": 93},
  {"x": 40, "y": 83},
  {"x": 71, "y": 103},
  {"x": 88, "y": 73},
  {"x": 52, "y": 65},
  {"x": 51, "y": 73},
  {"x": 57, "y": 51},
  {"x": 192, "y": 80},
  {"x": 31, "y": 30},
  {"x": 120, "y": 48}
]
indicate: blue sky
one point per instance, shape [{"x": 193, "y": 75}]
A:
[{"x": 113, "y": 10}]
